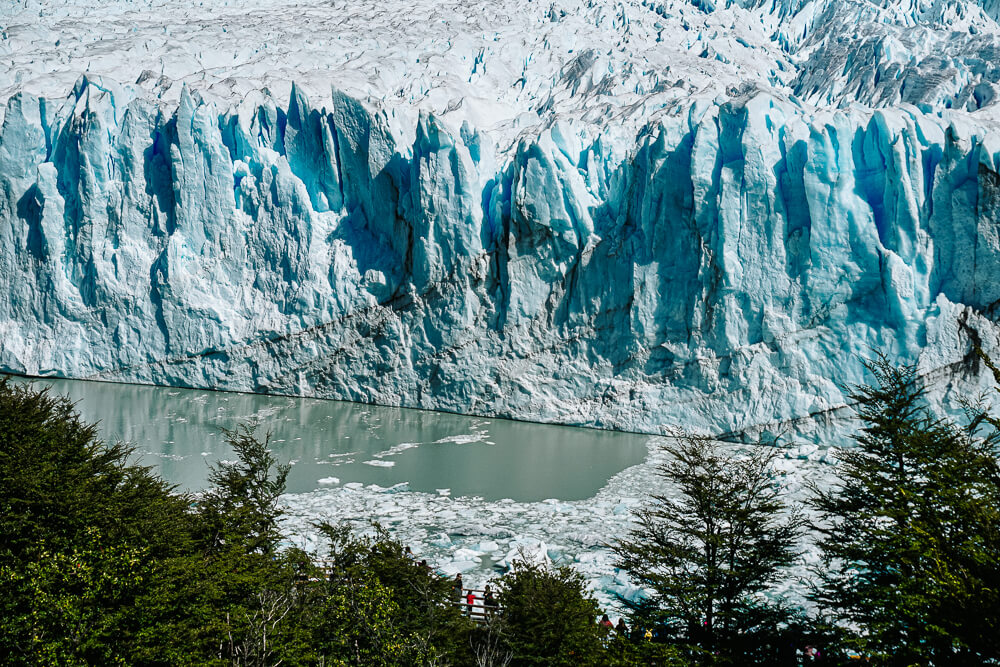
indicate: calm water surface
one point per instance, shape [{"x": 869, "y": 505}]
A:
[{"x": 179, "y": 431}]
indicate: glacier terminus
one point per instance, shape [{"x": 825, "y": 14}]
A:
[{"x": 633, "y": 215}]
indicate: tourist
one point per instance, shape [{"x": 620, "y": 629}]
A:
[
  {"x": 621, "y": 628},
  {"x": 490, "y": 601},
  {"x": 470, "y": 599},
  {"x": 606, "y": 623},
  {"x": 812, "y": 654},
  {"x": 456, "y": 589}
]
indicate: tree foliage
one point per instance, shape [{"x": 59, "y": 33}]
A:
[
  {"x": 380, "y": 601},
  {"x": 547, "y": 617},
  {"x": 80, "y": 532},
  {"x": 241, "y": 508},
  {"x": 74, "y": 601},
  {"x": 708, "y": 549},
  {"x": 911, "y": 531}
]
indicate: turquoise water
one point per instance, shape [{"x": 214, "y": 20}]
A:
[{"x": 180, "y": 432}]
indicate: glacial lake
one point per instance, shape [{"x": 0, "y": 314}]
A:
[{"x": 330, "y": 443}]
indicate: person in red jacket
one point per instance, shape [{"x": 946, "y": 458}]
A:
[{"x": 470, "y": 599}]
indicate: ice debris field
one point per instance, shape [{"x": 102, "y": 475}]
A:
[
  {"x": 636, "y": 215},
  {"x": 478, "y": 538}
]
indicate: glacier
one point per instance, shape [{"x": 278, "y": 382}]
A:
[
  {"x": 705, "y": 220},
  {"x": 725, "y": 273}
]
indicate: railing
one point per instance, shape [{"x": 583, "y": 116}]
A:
[{"x": 478, "y": 611}]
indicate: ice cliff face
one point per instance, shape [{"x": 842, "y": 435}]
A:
[
  {"x": 722, "y": 273},
  {"x": 717, "y": 255}
]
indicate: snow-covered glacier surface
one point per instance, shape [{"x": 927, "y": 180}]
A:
[{"x": 634, "y": 216}]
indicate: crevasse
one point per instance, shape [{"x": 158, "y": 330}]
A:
[{"x": 725, "y": 271}]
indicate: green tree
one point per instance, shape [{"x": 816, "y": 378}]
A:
[
  {"x": 259, "y": 614},
  {"x": 708, "y": 548},
  {"x": 58, "y": 479},
  {"x": 73, "y": 601},
  {"x": 636, "y": 650},
  {"x": 547, "y": 616},
  {"x": 241, "y": 509},
  {"x": 359, "y": 625},
  {"x": 382, "y": 607},
  {"x": 911, "y": 531},
  {"x": 81, "y": 533},
  {"x": 233, "y": 597}
]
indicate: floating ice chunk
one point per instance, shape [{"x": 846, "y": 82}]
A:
[
  {"x": 458, "y": 567},
  {"x": 442, "y": 541},
  {"x": 526, "y": 550},
  {"x": 468, "y": 555},
  {"x": 463, "y": 439},
  {"x": 378, "y": 463},
  {"x": 805, "y": 451},
  {"x": 588, "y": 540},
  {"x": 397, "y": 488},
  {"x": 396, "y": 449},
  {"x": 621, "y": 508},
  {"x": 811, "y": 555},
  {"x": 329, "y": 480},
  {"x": 171, "y": 457},
  {"x": 556, "y": 552},
  {"x": 631, "y": 593}
]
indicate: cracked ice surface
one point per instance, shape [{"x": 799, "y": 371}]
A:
[{"x": 506, "y": 66}]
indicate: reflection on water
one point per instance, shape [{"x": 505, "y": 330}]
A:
[{"x": 179, "y": 431}]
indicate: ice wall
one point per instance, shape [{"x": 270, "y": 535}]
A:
[{"x": 724, "y": 271}]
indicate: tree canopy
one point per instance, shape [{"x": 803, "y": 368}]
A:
[
  {"x": 910, "y": 534},
  {"x": 707, "y": 548}
]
